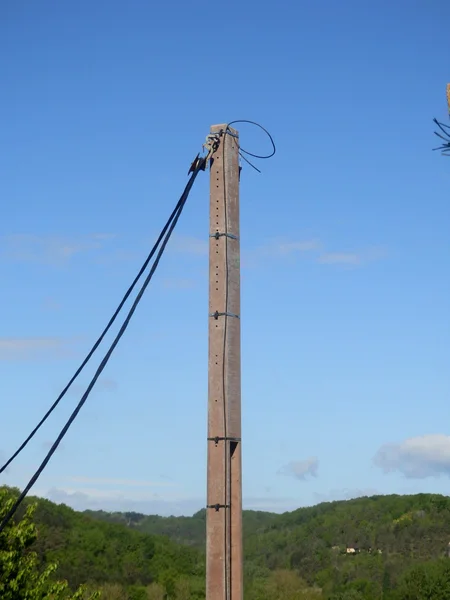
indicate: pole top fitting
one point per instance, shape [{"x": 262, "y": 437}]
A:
[{"x": 224, "y": 127}]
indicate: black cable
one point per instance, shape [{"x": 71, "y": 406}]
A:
[
  {"x": 242, "y": 151},
  {"x": 445, "y": 148},
  {"x": 107, "y": 356},
  {"x": 97, "y": 343},
  {"x": 265, "y": 131}
]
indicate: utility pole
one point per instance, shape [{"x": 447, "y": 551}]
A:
[{"x": 224, "y": 555}]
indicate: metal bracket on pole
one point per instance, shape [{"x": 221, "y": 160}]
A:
[
  {"x": 217, "y": 506},
  {"x": 218, "y": 314},
  {"x": 218, "y": 234},
  {"x": 211, "y": 145},
  {"x": 218, "y": 439}
]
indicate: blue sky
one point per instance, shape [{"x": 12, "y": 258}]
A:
[{"x": 345, "y": 287}]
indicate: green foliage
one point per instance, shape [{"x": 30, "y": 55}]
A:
[
  {"x": 20, "y": 575},
  {"x": 392, "y": 533},
  {"x": 400, "y": 543},
  {"x": 282, "y": 585},
  {"x": 349, "y": 594},
  {"x": 128, "y": 564},
  {"x": 428, "y": 581},
  {"x": 108, "y": 552},
  {"x": 183, "y": 530},
  {"x": 156, "y": 591}
]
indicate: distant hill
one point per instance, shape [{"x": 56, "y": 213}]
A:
[
  {"x": 366, "y": 539},
  {"x": 104, "y": 552},
  {"x": 360, "y": 549},
  {"x": 183, "y": 530},
  {"x": 388, "y": 534}
]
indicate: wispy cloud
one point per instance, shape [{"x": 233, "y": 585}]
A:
[
  {"x": 300, "y": 469},
  {"x": 51, "y": 304},
  {"x": 108, "y": 384},
  {"x": 279, "y": 249},
  {"x": 417, "y": 457},
  {"x": 275, "y": 248},
  {"x": 47, "y": 444},
  {"x": 340, "y": 258},
  {"x": 18, "y": 349},
  {"x": 283, "y": 249},
  {"x": 151, "y": 503},
  {"x": 3, "y": 459},
  {"x": 355, "y": 259},
  {"x": 120, "y": 256},
  {"x": 344, "y": 494},
  {"x": 102, "y": 384},
  {"x": 179, "y": 283},
  {"x": 121, "y": 482},
  {"x": 188, "y": 245},
  {"x": 48, "y": 249}
]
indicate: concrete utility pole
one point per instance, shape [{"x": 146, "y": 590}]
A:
[{"x": 224, "y": 557}]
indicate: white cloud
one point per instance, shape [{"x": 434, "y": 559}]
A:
[
  {"x": 18, "y": 349},
  {"x": 119, "y": 256},
  {"x": 417, "y": 457},
  {"x": 49, "y": 249},
  {"x": 281, "y": 247},
  {"x": 354, "y": 259},
  {"x": 271, "y": 249},
  {"x": 103, "y": 384},
  {"x": 270, "y": 504},
  {"x": 151, "y": 503},
  {"x": 3, "y": 459},
  {"x": 340, "y": 258},
  {"x": 185, "y": 244},
  {"x": 108, "y": 384},
  {"x": 301, "y": 468},
  {"x": 179, "y": 283},
  {"x": 300, "y": 246},
  {"x": 344, "y": 494},
  {"x": 121, "y": 482},
  {"x": 51, "y": 304},
  {"x": 278, "y": 249},
  {"x": 47, "y": 444}
]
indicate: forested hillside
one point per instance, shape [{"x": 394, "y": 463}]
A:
[
  {"x": 102, "y": 553},
  {"x": 388, "y": 534},
  {"x": 184, "y": 530},
  {"x": 383, "y": 547}
]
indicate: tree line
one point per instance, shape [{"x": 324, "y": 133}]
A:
[{"x": 52, "y": 551}]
